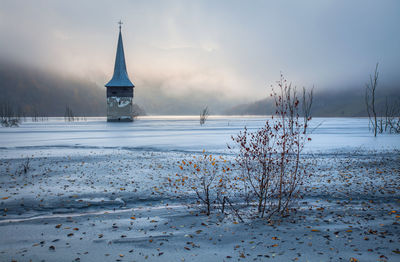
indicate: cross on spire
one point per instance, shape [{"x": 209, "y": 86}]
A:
[{"x": 120, "y": 23}]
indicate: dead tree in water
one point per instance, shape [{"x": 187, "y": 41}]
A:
[
  {"x": 69, "y": 115},
  {"x": 392, "y": 117},
  {"x": 204, "y": 115},
  {"x": 306, "y": 106},
  {"x": 34, "y": 115},
  {"x": 389, "y": 120},
  {"x": 8, "y": 116},
  {"x": 370, "y": 100}
]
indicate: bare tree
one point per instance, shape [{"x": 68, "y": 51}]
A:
[
  {"x": 69, "y": 115},
  {"x": 306, "y": 106},
  {"x": 370, "y": 92},
  {"x": 204, "y": 115},
  {"x": 8, "y": 116},
  {"x": 34, "y": 115},
  {"x": 389, "y": 120},
  {"x": 392, "y": 117},
  {"x": 288, "y": 94}
]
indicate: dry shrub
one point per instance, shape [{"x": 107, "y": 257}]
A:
[
  {"x": 268, "y": 170},
  {"x": 269, "y": 159},
  {"x": 207, "y": 176}
]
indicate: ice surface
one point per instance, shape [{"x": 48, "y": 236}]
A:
[
  {"x": 90, "y": 178},
  {"x": 186, "y": 134}
]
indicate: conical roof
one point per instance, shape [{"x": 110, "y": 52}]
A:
[{"x": 120, "y": 76}]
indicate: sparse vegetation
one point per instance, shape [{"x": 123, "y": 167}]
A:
[
  {"x": 389, "y": 121},
  {"x": 26, "y": 165},
  {"x": 269, "y": 160},
  {"x": 8, "y": 116},
  {"x": 207, "y": 176},
  {"x": 10, "y": 122},
  {"x": 268, "y": 169},
  {"x": 69, "y": 115},
  {"x": 370, "y": 93},
  {"x": 306, "y": 106},
  {"x": 204, "y": 115},
  {"x": 392, "y": 117}
]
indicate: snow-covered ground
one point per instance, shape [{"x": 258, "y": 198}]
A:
[{"x": 97, "y": 191}]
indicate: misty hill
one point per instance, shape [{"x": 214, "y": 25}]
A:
[
  {"x": 34, "y": 91},
  {"x": 345, "y": 102},
  {"x": 46, "y": 93}
]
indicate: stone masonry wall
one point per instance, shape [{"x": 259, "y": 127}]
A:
[{"x": 119, "y": 109}]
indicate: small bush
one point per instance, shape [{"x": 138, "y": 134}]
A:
[
  {"x": 268, "y": 169},
  {"x": 26, "y": 165},
  {"x": 205, "y": 175},
  {"x": 269, "y": 160},
  {"x": 11, "y": 122},
  {"x": 9, "y": 117}
]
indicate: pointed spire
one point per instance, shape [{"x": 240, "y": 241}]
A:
[
  {"x": 120, "y": 23},
  {"x": 120, "y": 76}
]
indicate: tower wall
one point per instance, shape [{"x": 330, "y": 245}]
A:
[
  {"x": 119, "y": 109},
  {"x": 119, "y": 104}
]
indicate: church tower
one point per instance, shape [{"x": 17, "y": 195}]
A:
[{"x": 119, "y": 89}]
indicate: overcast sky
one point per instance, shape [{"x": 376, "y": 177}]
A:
[{"x": 232, "y": 48}]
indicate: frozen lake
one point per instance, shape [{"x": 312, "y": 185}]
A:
[
  {"x": 98, "y": 191},
  {"x": 183, "y": 133}
]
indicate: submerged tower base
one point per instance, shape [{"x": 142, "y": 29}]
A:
[
  {"x": 119, "y": 104},
  {"x": 119, "y": 109}
]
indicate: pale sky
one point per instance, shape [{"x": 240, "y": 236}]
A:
[{"x": 233, "y": 49}]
